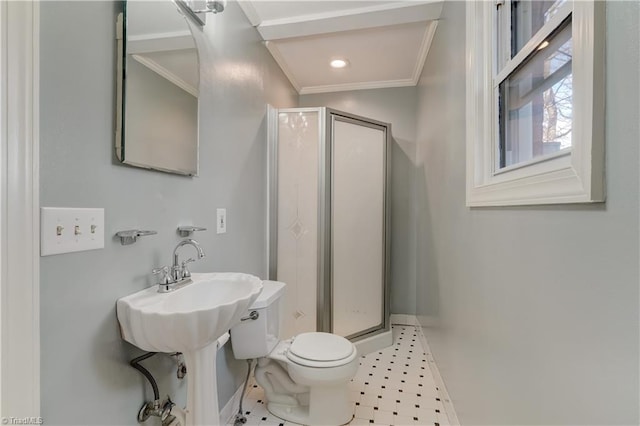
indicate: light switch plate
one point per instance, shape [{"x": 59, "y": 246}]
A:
[
  {"x": 66, "y": 230},
  {"x": 221, "y": 221}
]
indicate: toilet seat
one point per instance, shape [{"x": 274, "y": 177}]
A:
[{"x": 321, "y": 350}]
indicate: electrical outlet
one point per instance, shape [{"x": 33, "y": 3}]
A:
[
  {"x": 66, "y": 230},
  {"x": 221, "y": 221}
]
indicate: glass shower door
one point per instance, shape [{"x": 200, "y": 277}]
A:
[
  {"x": 328, "y": 221},
  {"x": 358, "y": 224}
]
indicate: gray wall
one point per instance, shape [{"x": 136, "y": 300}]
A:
[
  {"x": 398, "y": 107},
  {"x": 531, "y": 312},
  {"x": 161, "y": 121},
  {"x": 86, "y": 378}
]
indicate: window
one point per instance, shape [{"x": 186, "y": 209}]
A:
[{"x": 535, "y": 102}]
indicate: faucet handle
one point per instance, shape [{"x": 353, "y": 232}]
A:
[
  {"x": 185, "y": 272},
  {"x": 165, "y": 278}
]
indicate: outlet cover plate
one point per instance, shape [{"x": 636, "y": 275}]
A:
[{"x": 221, "y": 221}]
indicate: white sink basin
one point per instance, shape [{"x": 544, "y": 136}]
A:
[
  {"x": 190, "y": 320},
  {"x": 190, "y": 317}
]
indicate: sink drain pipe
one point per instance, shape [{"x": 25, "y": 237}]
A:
[
  {"x": 156, "y": 407},
  {"x": 135, "y": 363}
]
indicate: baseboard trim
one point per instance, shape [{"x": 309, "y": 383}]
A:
[
  {"x": 446, "y": 399},
  {"x": 402, "y": 319},
  {"x": 374, "y": 343}
]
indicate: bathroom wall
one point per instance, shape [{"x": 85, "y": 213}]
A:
[
  {"x": 152, "y": 99},
  {"x": 86, "y": 379},
  {"x": 531, "y": 312},
  {"x": 398, "y": 107}
]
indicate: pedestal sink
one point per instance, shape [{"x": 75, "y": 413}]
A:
[{"x": 190, "y": 320}]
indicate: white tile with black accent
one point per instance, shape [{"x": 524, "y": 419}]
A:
[{"x": 393, "y": 386}]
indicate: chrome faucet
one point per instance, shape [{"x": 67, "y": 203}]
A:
[
  {"x": 178, "y": 275},
  {"x": 180, "y": 271}
]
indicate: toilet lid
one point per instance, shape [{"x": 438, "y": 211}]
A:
[{"x": 321, "y": 347}]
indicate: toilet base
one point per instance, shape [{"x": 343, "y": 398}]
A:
[{"x": 331, "y": 407}]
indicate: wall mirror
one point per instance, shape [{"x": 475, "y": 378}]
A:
[{"x": 157, "y": 87}]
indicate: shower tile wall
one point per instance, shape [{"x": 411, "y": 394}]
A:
[{"x": 394, "y": 386}]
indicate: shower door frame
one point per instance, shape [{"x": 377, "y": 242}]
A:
[
  {"x": 326, "y": 119},
  {"x": 325, "y": 261}
]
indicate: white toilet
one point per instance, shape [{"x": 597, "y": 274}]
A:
[{"x": 305, "y": 378}]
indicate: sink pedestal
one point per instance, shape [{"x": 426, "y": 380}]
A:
[
  {"x": 190, "y": 320},
  {"x": 202, "y": 392}
]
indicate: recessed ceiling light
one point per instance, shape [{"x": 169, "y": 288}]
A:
[{"x": 339, "y": 63}]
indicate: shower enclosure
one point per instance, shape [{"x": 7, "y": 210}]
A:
[{"x": 329, "y": 222}]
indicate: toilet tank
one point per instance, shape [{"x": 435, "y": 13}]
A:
[{"x": 256, "y": 338}]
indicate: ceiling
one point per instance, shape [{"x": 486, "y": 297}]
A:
[{"x": 385, "y": 42}]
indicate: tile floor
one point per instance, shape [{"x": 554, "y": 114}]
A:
[{"x": 393, "y": 386}]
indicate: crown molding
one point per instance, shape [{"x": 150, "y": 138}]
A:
[
  {"x": 353, "y": 19},
  {"x": 424, "y": 50},
  {"x": 250, "y": 12},
  {"x": 165, "y": 73},
  {"x": 277, "y": 56},
  {"x": 345, "y": 87}
]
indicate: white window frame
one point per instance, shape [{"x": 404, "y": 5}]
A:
[{"x": 573, "y": 176}]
